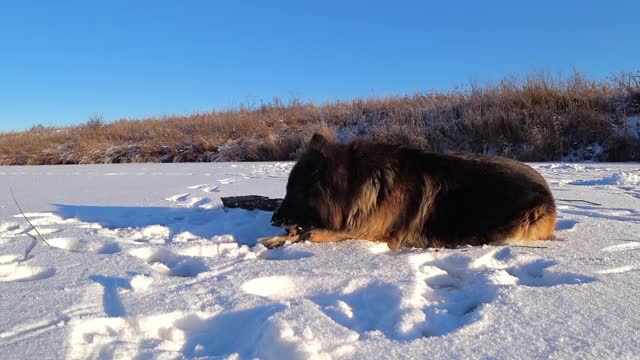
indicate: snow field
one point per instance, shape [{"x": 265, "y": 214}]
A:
[{"x": 144, "y": 263}]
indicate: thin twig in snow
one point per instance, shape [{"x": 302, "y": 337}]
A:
[
  {"x": 33, "y": 244},
  {"x": 579, "y": 200}
]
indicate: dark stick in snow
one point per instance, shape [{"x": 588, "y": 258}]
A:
[
  {"x": 251, "y": 202},
  {"x": 579, "y": 200}
]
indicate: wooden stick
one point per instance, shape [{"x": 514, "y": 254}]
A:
[{"x": 251, "y": 202}]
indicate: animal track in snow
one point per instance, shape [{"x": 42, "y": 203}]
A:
[
  {"x": 199, "y": 186},
  {"x": 154, "y": 234},
  {"x": 197, "y": 201},
  {"x": 178, "y": 334},
  {"x": 370, "y": 306},
  {"x": 205, "y": 187},
  {"x": 65, "y": 243},
  {"x": 627, "y": 246},
  {"x": 619, "y": 178},
  {"x": 284, "y": 253},
  {"x": 275, "y": 287},
  {"x": 566, "y": 225},
  {"x": 24, "y": 331},
  {"x": 450, "y": 290},
  {"x": 44, "y": 231},
  {"x": 15, "y": 271},
  {"x": 4, "y": 259},
  {"x": 141, "y": 282},
  {"x": 603, "y": 213},
  {"x": 109, "y": 248},
  {"x": 364, "y": 305},
  {"x": 625, "y": 181},
  {"x": 618, "y": 270},
  {"x": 40, "y": 219},
  {"x": 11, "y": 228},
  {"x": 82, "y": 245},
  {"x": 165, "y": 261},
  {"x": 266, "y": 171},
  {"x": 178, "y": 197},
  {"x": 186, "y": 200},
  {"x": 116, "y": 338},
  {"x": 459, "y": 286},
  {"x": 215, "y": 249}
]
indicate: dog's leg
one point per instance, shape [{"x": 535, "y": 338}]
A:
[
  {"x": 275, "y": 241},
  {"x": 318, "y": 236},
  {"x": 324, "y": 235}
]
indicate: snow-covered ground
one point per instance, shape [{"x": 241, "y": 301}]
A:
[{"x": 145, "y": 264}]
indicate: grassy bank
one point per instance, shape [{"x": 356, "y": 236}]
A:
[{"x": 537, "y": 118}]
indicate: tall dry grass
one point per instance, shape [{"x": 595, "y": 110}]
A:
[{"x": 537, "y": 118}]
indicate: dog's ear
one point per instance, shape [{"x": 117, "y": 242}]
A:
[{"x": 318, "y": 142}]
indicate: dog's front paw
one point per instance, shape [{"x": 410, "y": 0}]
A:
[{"x": 273, "y": 241}]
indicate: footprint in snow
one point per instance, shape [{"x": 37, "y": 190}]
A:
[
  {"x": 109, "y": 248},
  {"x": 208, "y": 188},
  {"x": 175, "y": 335},
  {"x": 212, "y": 248},
  {"x": 365, "y": 306},
  {"x": 178, "y": 197},
  {"x": 197, "y": 201},
  {"x": 195, "y": 187},
  {"x": 78, "y": 245},
  {"x": 449, "y": 292},
  {"x": 186, "y": 200},
  {"x": 285, "y": 253},
  {"x": 626, "y": 246},
  {"x": 41, "y": 219},
  {"x": 459, "y": 286},
  {"x": 65, "y": 243},
  {"x": 619, "y": 270},
  {"x": 566, "y": 225},
  {"x": 14, "y": 270},
  {"x": 166, "y": 262}
]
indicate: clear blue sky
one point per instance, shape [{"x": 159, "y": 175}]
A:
[{"x": 62, "y": 61}]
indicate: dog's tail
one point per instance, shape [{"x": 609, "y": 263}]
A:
[{"x": 537, "y": 223}]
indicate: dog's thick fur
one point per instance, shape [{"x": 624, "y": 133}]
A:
[{"x": 409, "y": 198}]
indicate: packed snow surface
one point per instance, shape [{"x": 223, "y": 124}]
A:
[{"x": 144, "y": 263}]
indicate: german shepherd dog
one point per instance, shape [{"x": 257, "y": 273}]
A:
[{"x": 410, "y": 198}]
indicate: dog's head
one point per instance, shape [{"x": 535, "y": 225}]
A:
[{"x": 313, "y": 182}]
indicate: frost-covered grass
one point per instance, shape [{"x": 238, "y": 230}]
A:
[{"x": 144, "y": 263}]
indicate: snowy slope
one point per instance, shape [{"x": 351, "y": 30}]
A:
[{"x": 145, "y": 264}]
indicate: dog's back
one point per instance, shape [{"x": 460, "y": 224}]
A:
[{"x": 485, "y": 199}]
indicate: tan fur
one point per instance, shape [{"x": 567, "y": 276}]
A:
[{"x": 538, "y": 224}]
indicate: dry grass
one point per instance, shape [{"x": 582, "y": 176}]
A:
[{"x": 539, "y": 118}]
